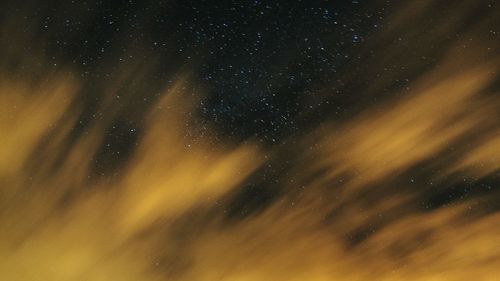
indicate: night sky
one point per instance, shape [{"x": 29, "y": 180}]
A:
[
  {"x": 365, "y": 115},
  {"x": 258, "y": 61},
  {"x": 261, "y": 64}
]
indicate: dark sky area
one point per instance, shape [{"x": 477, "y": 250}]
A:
[
  {"x": 263, "y": 64},
  {"x": 258, "y": 60}
]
